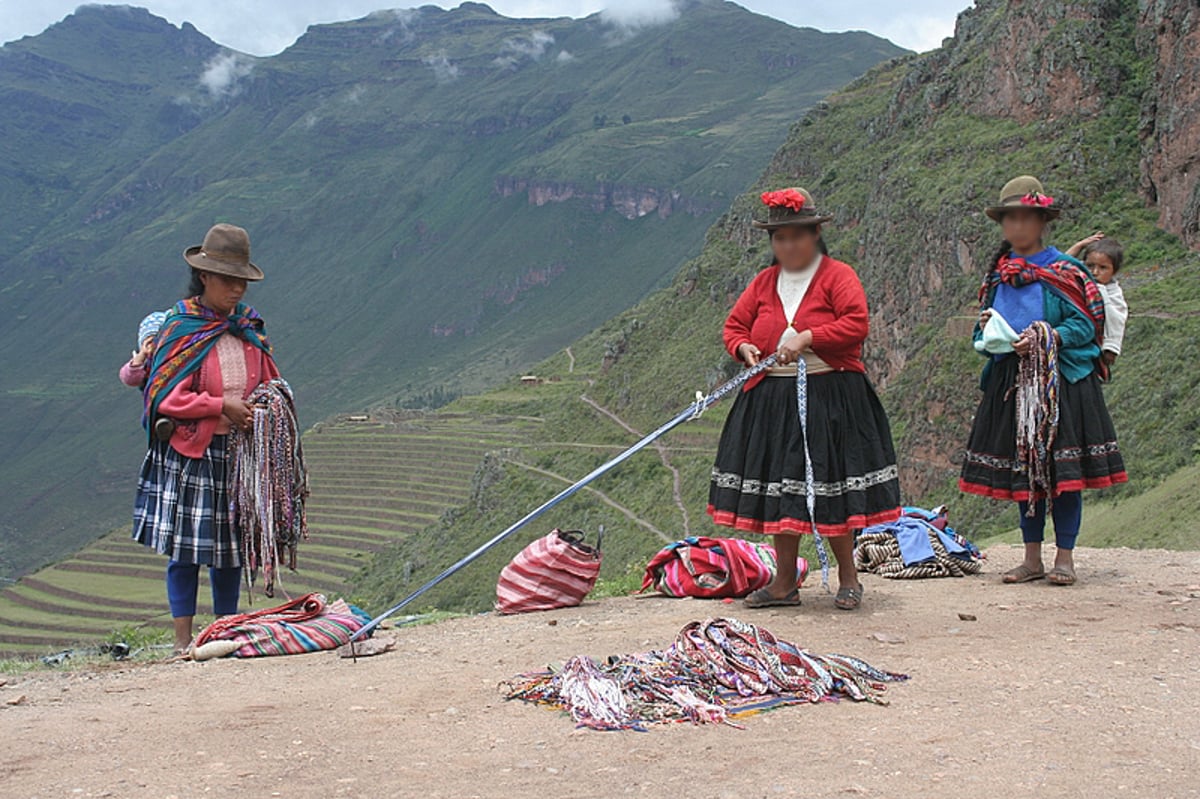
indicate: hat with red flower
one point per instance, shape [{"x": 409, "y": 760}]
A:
[
  {"x": 789, "y": 208},
  {"x": 1023, "y": 192}
]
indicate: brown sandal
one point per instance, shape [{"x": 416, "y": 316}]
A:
[
  {"x": 848, "y": 598},
  {"x": 1022, "y": 574},
  {"x": 1061, "y": 576},
  {"x": 762, "y": 599}
]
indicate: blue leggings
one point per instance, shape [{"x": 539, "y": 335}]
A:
[
  {"x": 183, "y": 583},
  {"x": 1067, "y": 513}
]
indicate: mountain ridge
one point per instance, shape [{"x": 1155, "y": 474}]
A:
[{"x": 363, "y": 160}]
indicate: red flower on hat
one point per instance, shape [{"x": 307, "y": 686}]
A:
[
  {"x": 786, "y": 198},
  {"x": 1037, "y": 199}
]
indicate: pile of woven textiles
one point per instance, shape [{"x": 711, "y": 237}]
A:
[
  {"x": 716, "y": 671},
  {"x": 307, "y": 624},
  {"x": 919, "y": 544}
]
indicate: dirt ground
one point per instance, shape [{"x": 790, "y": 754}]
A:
[{"x": 1053, "y": 692}]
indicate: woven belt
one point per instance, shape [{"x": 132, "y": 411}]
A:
[{"x": 782, "y": 371}]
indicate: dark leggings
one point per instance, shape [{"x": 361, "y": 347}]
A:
[
  {"x": 1067, "y": 513},
  {"x": 183, "y": 583}
]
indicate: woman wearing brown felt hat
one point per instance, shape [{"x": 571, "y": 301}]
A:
[{"x": 212, "y": 351}]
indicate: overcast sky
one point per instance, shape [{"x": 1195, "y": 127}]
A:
[{"x": 264, "y": 27}]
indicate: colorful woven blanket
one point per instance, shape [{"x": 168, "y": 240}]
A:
[
  {"x": 715, "y": 672},
  {"x": 307, "y": 624}
]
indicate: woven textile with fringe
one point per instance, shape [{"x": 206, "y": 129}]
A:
[
  {"x": 879, "y": 553},
  {"x": 716, "y": 671},
  {"x": 307, "y": 624},
  {"x": 1037, "y": 412},
  {"x": 270, "y": 484}
]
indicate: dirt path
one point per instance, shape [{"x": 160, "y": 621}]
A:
[
  {"x": 1091, "y": 691},
  {"x": 660, "y": 448},
  {"x": 605, "y": 498}
]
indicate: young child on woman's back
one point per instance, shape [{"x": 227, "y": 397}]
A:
[
  {"x": 1104, "y": 258},
  {"x": 136, "y": 370}
]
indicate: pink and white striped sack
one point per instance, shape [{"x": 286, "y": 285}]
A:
[{"x": 555, "y": 571}]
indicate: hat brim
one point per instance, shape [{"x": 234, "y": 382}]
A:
[
  {"x": 198, "y": 260},
  {"x": 803, "y": 222},
  {"x": 997, "y": 212}
]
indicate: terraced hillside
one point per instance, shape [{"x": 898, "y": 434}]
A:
[{"x": 374, "y": 481}]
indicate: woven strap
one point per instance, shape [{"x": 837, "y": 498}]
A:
[{"x": 810, "y": 487}]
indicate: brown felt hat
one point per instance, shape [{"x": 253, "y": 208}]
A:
[
  {"x": 792, "y": 207},
  {"x": 225, "y": 251},
  {"x": 1023, "y": 192}
]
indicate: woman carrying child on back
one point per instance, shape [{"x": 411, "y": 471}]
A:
[
  {"x": 212, "y": 352},
  {"x": 1042, "y": 432}
]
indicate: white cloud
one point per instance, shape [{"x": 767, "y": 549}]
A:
[
  {"x": 532, "y": 46},
  {"x": 223, "y": 72},
  {"x": 564, "y": 56},
  {"x": 630, "y": 16},
  {"x": 443, "y": 68},
  {"x": 404, "y": 19}
]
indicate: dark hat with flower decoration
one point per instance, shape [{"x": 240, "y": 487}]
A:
[
  {"x": 1023, "y": 192},
  {"x": 790, "y": 208}
]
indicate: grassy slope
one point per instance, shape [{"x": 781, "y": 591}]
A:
[
  {"x": 906, "y": 183},
  {"x": 369, "y": 187}
]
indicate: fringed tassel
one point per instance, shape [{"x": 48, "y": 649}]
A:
[
  {"x": 713, "y": 667},
  {"x": 1037, "y": 413},
  {"x": 270, "y": 485}
]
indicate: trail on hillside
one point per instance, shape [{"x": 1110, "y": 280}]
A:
[
  {"x": 661, "y": 449},
  {"x": 605, "y": 498},
  {"x": 1048, "y": 692}
]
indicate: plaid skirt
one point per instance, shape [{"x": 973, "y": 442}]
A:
[{"x": 182, "y": 506}]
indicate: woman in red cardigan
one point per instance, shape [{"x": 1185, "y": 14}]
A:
[
  {"x": 210, "y": 354},
  {"x": 805, "y": 306}
]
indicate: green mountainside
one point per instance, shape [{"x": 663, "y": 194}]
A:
[
  {"x": 906, "y": 158},
  {"x": 438, "y": 198}
]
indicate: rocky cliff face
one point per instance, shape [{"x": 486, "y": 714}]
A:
[
  {"x": 631, "y": 202},
  {"x": 1170, "y": 35}
]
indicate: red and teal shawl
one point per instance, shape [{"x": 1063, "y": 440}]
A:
[
  {"x": 1065, "y": 276},
  {"x": 189, "y": 332}
]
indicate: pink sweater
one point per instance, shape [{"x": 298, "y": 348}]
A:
[
  {"x": 196, "y": 403},
  {"x": 134, "y": 376}
]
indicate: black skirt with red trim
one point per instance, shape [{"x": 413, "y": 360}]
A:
[
  {"x": 1086, "y": 454},
  {"x": 758, "y": 482}
]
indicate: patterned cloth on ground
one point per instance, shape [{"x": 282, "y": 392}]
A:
[
  {"x": 713, "y": 567},
  {"x": 916, "y": 546},
  {"x": 715, "y": 671},
  {"x": 307, "y": 624}
]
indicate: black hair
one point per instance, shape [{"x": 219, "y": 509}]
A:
[
  {"x": 195, "y": 285},
  {"x": 820, "y": 247},
  {"x": 1001, "y": 252},
  {"x": 1110, "y": 247}
]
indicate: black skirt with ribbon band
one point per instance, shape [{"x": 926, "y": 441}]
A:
[
  {"x": 758, "y": 483},
  {"x": 1086, "y": 454}
]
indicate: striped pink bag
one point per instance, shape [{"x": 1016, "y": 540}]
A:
[{"x": 556, "y": 571}]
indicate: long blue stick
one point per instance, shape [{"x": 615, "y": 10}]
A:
[{"x": 691, "y": 412}]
